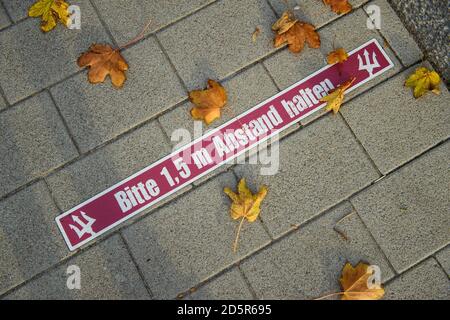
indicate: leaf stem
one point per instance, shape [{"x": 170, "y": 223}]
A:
[
  {"x": 235, "y": 244},
  {"x": 138, "y": 37}
]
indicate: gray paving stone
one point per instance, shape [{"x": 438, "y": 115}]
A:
[
  {"x": 4, "y": 20},
  {"x": 106, "y": 272},
  {"x": 33, "y": 141},
  {"x": 426, "y": 281},
  {"x": 349, "y": 32},
  {"x": 107, "y": 166},
  {"x": 400, "y": 40},
  {"x": 29, "y": 238},
  {"x": 408, "y": 212},
  {"x": 127, "y": 19},
  {"x": 219, "y": 41},
  {"x": 32, "y": 60},
  {"x": 311, "y": 11},
  {"x": 98, "y": 113},
  {"x": 393, "y": 126},
  {"x": 444, "y": 259},
  {"x": 308, "y": 263},
  {"x": 228, "y": 286},
  {"x": 190, "y": 239},
  {"x": 18, "y": 10},
  {"x": 320, "y": 165}
]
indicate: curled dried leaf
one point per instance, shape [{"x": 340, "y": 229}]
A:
[
  {"x": 335, "y": 97},
  {"x": 339, "y": 6},
  {"x": 102, "y": 61},
  {"x": 209, "y": 102},
  {"x": 422, "y": 81},
  {"x": 337, "y": 56},
  {"x": 50, "y": 11},
  {"x": 295, "y": 34}
]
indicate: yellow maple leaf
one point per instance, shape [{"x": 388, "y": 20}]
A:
[
  {"x": 335, "y": 97},
  {"x": 355, "y": 282},
  {"x": 50, "y": 11},
  {"x": 423, "y": 80},
  {"x": 245, "y": 206}
]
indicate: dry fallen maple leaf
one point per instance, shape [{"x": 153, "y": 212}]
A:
[
  {"x": 245, "y": 205},
  {"x": 335, "y": 97},
  {"x": 337, "y": 56},
  {"x": 102, "y": 61},
  {"x": 294, "y": 33},
  {"x": 208, "y": 102},
  {"x": 50, "y": 11},
  {"x": 357, "y": 284},
  {"x": 339, "y": 6},
  {"x": 423, "y": 80}
]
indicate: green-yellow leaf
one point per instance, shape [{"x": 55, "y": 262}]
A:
[
  {"x": 422, "y": 81},
  {"x": 50, "y": 11}
]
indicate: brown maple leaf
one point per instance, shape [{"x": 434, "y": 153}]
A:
[
  {"x": 339, "y": 6},
  {"x": 208, "y": 102},
  {"x": 295, "y": 33},
  {"x": 102, "y": 60}
]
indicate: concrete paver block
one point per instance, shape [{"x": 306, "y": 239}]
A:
[
  {"x": 228, "y": 286},
  {"x": 102, "y": 169},
  {"x": 399, "y": 39},
  {"x": 33, "y": 141},
  {"x": 34, "y": 60},
  {"x": 426, "y": 281},
  {"x": 308, "y": 263},
  {"x": 219, "y": 41},
  {"x": 126, "y": 19},
  {"x": 98, "y": 113},
  {"x": 407, "y": 212},
  {"x": 393, "y": 126},
  {"x": 29, "y": 238},
  {"x": 319, "y": 166},
  {"x": 106, "y": 272},
  {"x": 190, "y": 239}
]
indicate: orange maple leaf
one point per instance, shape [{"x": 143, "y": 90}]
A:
[
  {"x": 339, "y": 6},
  {"x": 208, "y": 102}
]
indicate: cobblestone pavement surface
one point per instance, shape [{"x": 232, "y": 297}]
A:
[{"x": 368, "y": 184}]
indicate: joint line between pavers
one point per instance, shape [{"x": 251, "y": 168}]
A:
[
  {"x": 374, "y": 240},
  {"x": 174, "y": 69},
  {"x": 139, "y": 271},
  {"x": 270, "y": 76},
  {"x": 247, "y": 282},
  {"x": 103, "y": 23},
  {"x": 380, "y": 174},
  {"x": 66, "y": 126},
  {"x": 2, "y": 6}
]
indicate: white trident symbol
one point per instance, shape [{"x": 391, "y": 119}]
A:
[
  {"x": 368, "y": 66},
  {"x": 85, "y": 227}
]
